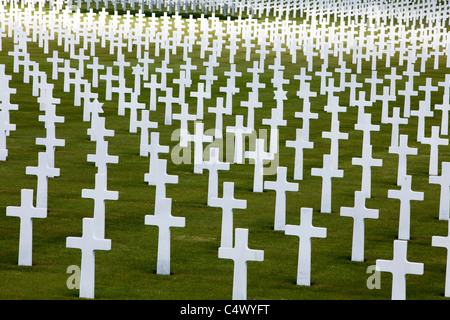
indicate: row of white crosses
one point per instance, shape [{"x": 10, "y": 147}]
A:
[
  {"x": 93, "y": 237},
  {"x": 330, "y": 168},
  {"x": 376, "y": 9},
  {"x": 5, "y": 108},
  {"x": 45, "y": 169}
]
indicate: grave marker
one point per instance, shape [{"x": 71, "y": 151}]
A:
[
  {"x": 228, "y": 203},
  {"x": 327, "y": 172},
  {"x": 399, "y": 267},
  {"x": 240, "y": 254},
  {"x": 305, "y": 231},
  {"x": 88, "y": 244},
  {"x": 405, "y": 195},
  {"x": 26, "y": 212},
  {"x": 280, "y": 186},
  {"x": 359, "y": 212},
  {"x": 164, "y": 220}
]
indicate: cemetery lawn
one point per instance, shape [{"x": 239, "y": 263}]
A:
[{"x": 128, "y": 271}]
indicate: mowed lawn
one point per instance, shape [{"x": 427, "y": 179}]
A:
[{"x": 128, "y": 271}]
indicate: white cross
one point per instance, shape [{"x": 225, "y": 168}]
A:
[
  {"x": 423, "y": 112},
  {"x": 281, "y": 185},
  {"x": 373, "y": 82},
  {"x": 251, "y": 104},
  {"x": 399, "y": 267},
  {"x": 43, "y": 171},
  {"x": 327, "y": 173},
  {"x": 88, "y": 243},
  {"x": 50, "y": 142},
  {"x": 353, "y": 84},
  {"x": 101, "y": 158},
  {"x": 108, "y": 77},
  {"x": 229, "y": 90},
  {"x": 154, "y": 148},
  {"x": 445, "y": 108},
  {"x": 184, "y": 118},
  {"x": 275, "y": 121},
  {"x": 145, "y": 124},
  {"x": 434, "y": 141},
  {"x": 359, "y": 212},
  {"x": 26, "y": 212},
  {"x": 199, "y": 138},
  {"x": 213, "y": 165},
  {"x": 239, "y": 130},
  {"x": 55, "y": 61},
  {"x": 335, "y": 135},
  {"x": 169, "y": 99},
  {"x": 444, "y": 181},
  {"x": 299, "y": 144},
  {"x": 444, "y": 242},
  {"x": 153, "y": 85},
  {"x": 133, "y": 105},
  {"x": 259, "y": 156},
  {"x": 393, "y": 77},
  {"x": 164, "y": 220},
  {"x": 200, "y": 94},
  {"x": 240, "y": 254},
  {"x": 403, "y": 151},
  {"x": 323, "y": 73},
  {"x": 405, "y": 195},
  {"x": 395, "y": 121},
  {"x": 220, "y": 111},
  {"x": 99, "y": 194},
  {"x": 227, "y": 203},
  {"x": 305, "y": 231},
  {"x": 97, "y": 131},
  {"x": 158, "y": 177}
]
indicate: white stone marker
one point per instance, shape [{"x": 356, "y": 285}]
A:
[
  {"x": 153, "y": 85},
  {"x": 5, "y": 127},
  {"x": 227, "y": 203},
  {"x": 434, "y": 141},
  {"x": 158, "y": 177},
  {"x": 259, "y": 156},
  {"x": 444, "y": 181},
  {"x": 405, "y": 195},
  {"x": 164, "y": 220},
  {"x": 43, "y": 171},
  {"x": 184, "y": 117},
  {"x": 101, "y": 158},
  {"x": 240, "y": 254},
  {"x": 359, "y": 212},
  {"x": 201, "y": 94},
  {"x": 334, "y": 135},
  {"x": 445, "y": 108},
  {"x": 299, "y": 144},
  {"x": 444, "y": 242},
  {"x": 399, "y": 267},
  {"x": 403, "y": 151},
  {"x": 395, "y": 121},
  {"x": 99, "y": 194},
  {"x": 423, "y": 112},
  {"x": 220, "y": 111},
  {"x": 280, "y": 186},
  {"x": 239, "y": 130},
  {"x": 367, "y": 162},
  {"x": 326, "y": 172},
  {"x": 88, "y": 243},
  {"x": 169, "y": 99},
  {"x": 213, "y": 165},
  {"x": 26, "y": 212},
  {"x": 305, "y": 231}
]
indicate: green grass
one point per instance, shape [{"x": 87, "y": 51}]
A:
[{"x": 128, "y": 271}]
